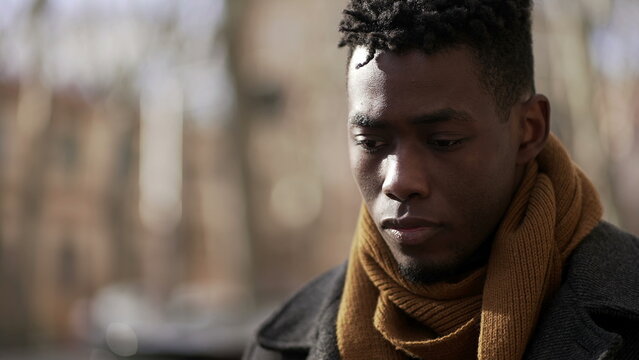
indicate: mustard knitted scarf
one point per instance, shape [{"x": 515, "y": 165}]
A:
[{"x": 492, "y": 312}]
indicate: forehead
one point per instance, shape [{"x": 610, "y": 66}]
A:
[{"x": 413, "y": 81}]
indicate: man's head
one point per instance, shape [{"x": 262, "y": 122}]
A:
[{"x": 442, "y": 120}]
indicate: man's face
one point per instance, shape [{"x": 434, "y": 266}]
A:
[{"x": 434, "y": 162}]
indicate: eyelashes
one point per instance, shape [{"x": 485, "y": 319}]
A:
[
  {"x": 369, "y": 145},
  {"x": 374, "y": 144}
]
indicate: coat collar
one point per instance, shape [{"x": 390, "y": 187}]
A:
[
  {"x": 603, "y": 270},
  {"x": 306, "y": 323},
  {"x": 600, "y": 287}
]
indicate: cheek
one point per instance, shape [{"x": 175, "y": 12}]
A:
[
  {"x": 364, "y": 170},
  {"x": 481, "y": 190}
]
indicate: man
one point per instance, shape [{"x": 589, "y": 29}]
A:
[{"x": 478, "y": 238}]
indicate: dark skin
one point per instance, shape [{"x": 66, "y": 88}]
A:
[{"x": 435, "y": 161}]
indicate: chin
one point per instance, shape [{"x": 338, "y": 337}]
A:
[
  {"x": 427, "y": 265},
  {"x": 428, "y": 268},
  {"x": 420, "y": 273}
]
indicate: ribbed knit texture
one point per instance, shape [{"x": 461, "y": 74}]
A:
[{"x": 492, "y": 312}]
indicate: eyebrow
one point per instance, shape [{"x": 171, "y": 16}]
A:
[{"x": 437, "y": 116}]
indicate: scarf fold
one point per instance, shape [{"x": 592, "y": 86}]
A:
[{"x": 492, "y": 312}]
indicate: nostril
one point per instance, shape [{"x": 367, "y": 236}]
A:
[
  {"x": 394, "y": 197},
  {"x": 401, "y": 198}
]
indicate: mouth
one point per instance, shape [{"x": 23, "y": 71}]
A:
[{"x": 410, "y": 231}]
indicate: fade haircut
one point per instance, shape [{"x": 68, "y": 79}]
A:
[{"x": 496, "y": 31}]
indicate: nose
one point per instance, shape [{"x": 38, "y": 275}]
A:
[{"x": 405, "y": 177}]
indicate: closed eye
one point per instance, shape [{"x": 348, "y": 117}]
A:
[
  {"x": 446, "y": 144},
  {"x": 369, "y": 144}
]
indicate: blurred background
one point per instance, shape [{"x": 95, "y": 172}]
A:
[{"x": 172, "y": 170}]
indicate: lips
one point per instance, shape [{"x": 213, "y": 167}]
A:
[{"x": 410, "y": 230}]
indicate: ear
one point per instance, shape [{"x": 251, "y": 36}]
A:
[{"x": 534, "y": 128}]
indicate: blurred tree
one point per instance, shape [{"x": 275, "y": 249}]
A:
[
  {"x": 26, "y": 166},
  {"x": 233, "y": 33},
  {"x": 568, "y": 26}
]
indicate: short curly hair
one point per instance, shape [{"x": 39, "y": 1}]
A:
[{"x": 498, "y": 32}]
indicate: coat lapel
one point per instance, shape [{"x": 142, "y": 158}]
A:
[
  {"x": 325, "y": 348},
  {"x": 306, "y": 323}
]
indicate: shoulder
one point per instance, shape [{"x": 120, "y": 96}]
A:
[
  {"x": 609, "y": 237},
  {"x": 596, "y": 309},
  {"x": 293, "y": 328},
  {"x": 605, "y": 265}
]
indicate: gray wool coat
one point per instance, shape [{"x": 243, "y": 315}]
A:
[{"x": 594, "y": 314}]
